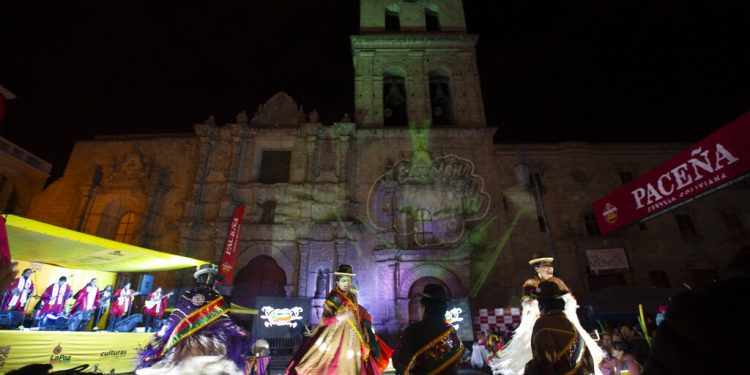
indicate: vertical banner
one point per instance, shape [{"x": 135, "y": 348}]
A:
[
  {"x": 4, "y": 246},
  {"x": 231, "y": 245}
]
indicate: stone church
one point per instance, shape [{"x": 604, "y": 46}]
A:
[{"x": 409, "y": 188}]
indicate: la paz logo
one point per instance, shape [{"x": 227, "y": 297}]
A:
[
  {"x": 57, "y": 356},
  {"x": 226, "y": 267},
  {"x": 610, "y": 213},
  {"x": 281, "y": 317}
]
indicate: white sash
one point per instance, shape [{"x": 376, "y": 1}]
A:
[
  {"x": 90, "y": 297},
  {"x": 22, "y": 284},
  {"x": 57, "y": 294}
]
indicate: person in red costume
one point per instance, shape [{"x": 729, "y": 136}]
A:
[
  {"x": 87, "y": 299},
  {"x": 54, "y": 297},
  {"x": 154, "y": 307},
  {"x": 123, "y": 298},
  {"x": 20, "y": 292}
]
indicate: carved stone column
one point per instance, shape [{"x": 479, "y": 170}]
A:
[
  {"x": 343, "y": 157},
  {"x": 302, "y": 268},
  {"x": 312, "y": 164}
]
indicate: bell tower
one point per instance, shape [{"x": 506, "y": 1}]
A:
[{"x": 414, "y": 63}]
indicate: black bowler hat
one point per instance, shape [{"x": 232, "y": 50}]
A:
[
  {"x": 548, "y": 290},
  {"x": 435, "y": 292},
  {"x": 345, "y": 270}
]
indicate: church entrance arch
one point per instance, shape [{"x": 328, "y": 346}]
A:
[
  {"x": 414, "y": 294},
  {"x": 262, "y": 276}
]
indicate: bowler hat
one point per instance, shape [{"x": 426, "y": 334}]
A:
[
  {"x": 548, "y": 290},
  {"x": 435, "y": 292},
  {"x": 205, "y": 268},
  {"x": 345, "y": 270},
  {"x": 539, "y": 258}
]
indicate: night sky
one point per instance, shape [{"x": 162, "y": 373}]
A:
[{"x": 601, "y": 71}]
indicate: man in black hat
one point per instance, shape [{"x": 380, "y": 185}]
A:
[
  {"x": 556, "y": 345},
  {"x": 429, "y": 346}
]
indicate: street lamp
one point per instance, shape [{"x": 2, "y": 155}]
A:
[{"x": 524, "y": 176}]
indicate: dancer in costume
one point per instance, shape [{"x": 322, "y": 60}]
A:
[
  {"x": 517, "y": 352},
  {"x": 198, "y": 337},
  {"x": 20, "y": 290},
  {"x": 54, "y": 297},
  {"x": 556, "y": 345},
  {"x": 344, "y": 341},
  {"x": 121, "y": 307},
  {"x": 154, "y": 307},
  {"x": 429, "y": 346}
]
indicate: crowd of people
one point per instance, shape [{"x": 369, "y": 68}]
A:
[
  {"x": 89, "y": 304},
  {"x": 201, "y": 338}
]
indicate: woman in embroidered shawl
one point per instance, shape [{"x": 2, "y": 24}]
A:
[
  {"x": 344, "y": 341},
  {"x": 517, "y": 352},
  {"x": 198, "y": 337}
]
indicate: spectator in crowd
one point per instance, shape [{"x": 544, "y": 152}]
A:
[
  {"x": 636, "y": 344},
  {"x": 703, "y": 331},
  {"x": 624, "y": 362}
]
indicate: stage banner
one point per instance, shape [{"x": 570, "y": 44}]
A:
[
  {"x": 231, "y": 245},
  {"x": 63, "y": 350},
  {"x": 714, "y": 162}
]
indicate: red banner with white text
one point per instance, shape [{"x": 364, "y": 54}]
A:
[
  {"x": 714, "y": 162},
  {"x": 231, "y": 245}
]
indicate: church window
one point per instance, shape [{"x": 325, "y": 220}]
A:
[
  {"x": 274, "y": 167},
  {"x": 392, "y": 21},
  {"x": 685, "y": 223},
  {"x": 592, "y": 229},
  {"x": 267, "y": 212},
  {"x": 626, "y": 177},
  {"x": 441, "y": 101},
  {"x": 394, "y": 101},
  {"x": 126, "y": 227},
  {"x": 12, "y": 203},
  {"x": 423, "y": 227},
  {"x": 734, "y": 225},
  {"x": 432, "y": 21}
]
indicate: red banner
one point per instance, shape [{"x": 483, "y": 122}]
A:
[
  {"x": 231, "y": 245},
  {"x": 4, "y": 246},
  {"x": 714, "y": 162}
]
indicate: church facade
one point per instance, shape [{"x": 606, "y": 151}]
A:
[{"x": 409, "y": 189}]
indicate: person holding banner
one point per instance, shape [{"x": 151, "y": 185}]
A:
[
  {"x": 20, "y": 291},
  {"x": 430, "y": 345},
  {"x": 154, "y": 307},
  {"x": 344, "y": 341},
  {"x": 517, "y": 352},
  {"x": 54, "y": 297},
  {"x": 198, "y": 337},
  {"x": 121, "y": 306}
]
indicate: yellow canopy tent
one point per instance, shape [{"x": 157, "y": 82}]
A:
[{"x": 36, "y": 241}]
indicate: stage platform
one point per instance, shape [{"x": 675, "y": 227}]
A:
[{"x": 65, "y": 349}]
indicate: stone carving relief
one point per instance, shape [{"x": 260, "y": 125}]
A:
[
  {"x": 129, "y": 169},
  {"x": 428, "y": 202},
  {"x": 281, "y": 111}
]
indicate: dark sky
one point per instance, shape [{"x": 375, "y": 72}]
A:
[{"x": 602, "y": 71}]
